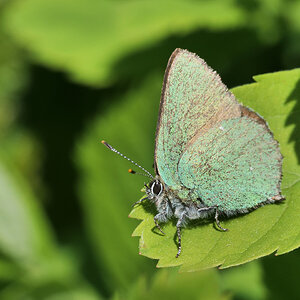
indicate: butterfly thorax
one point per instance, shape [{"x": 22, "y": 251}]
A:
[{"x": 174, "y": 201}]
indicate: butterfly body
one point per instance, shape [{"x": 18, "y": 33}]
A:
[
  {"x": 169, "y": 204},
  {"x": 173, "y": 202}
]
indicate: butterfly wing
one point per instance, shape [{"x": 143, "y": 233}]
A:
[
  {"x": 193, "y": 99},
  {"x": 236, "y": 165}
]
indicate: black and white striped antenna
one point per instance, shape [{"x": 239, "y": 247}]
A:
[{"x": 148, "y": 174}]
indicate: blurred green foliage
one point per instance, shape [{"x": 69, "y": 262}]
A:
[
  {"x": 171, "y": 285},
  {"x": 74, "y": 72},
  {"x": 108, "y": 29}
]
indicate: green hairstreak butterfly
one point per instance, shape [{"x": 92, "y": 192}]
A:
[{"x": 213, "y": 156}]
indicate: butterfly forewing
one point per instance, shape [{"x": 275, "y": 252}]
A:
[{"x": 193, "y": 100}]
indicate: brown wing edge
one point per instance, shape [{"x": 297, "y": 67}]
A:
[
  {"x": 162, "y": 98},
  {"x": 248, "y": 112}
]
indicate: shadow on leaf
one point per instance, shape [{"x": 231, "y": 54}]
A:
[{"x": 293, "y": 119}]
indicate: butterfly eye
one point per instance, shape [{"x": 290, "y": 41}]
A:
[{"x": 156, "y": 188}]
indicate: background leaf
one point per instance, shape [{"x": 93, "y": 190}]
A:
[
  {"x": 14, "y": 140},
  {"x": 27, "y": 246},
  {"x": 280, "y": 275},
  {"x": 32, "y": 265},
  {"x": 169, "y": 284},
  {"x": 109, "y": 31},
  {"x": 245, "y": 281},
  {"x": 268, "y": 229}
]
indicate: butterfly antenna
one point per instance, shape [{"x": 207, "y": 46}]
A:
[
  {"x": 133, "y": 162},
  {"x": 137, "y": 173}
]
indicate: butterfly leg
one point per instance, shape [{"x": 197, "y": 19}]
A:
[
  {"x": 156, "y": 218},
  {"x": 206, "y": 208},
  {"x": 140, "y": 201},
  {"x": 217, "y": 220},
  {"x": 215, "y": 207},
  {"x": 164, "y": 213},
  {"x": 178, "y": 226}
]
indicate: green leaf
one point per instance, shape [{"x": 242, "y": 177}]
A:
[
  {"x": 281, "y": 275},
  {"x": 169, "y": 284},
  {"x": 15, "y": 140},
  {"x": 30, "y": 259},
  {"x": 292, "y": 42},
  {"x": 272, "y": 228},
  {"x": 87, "y": 38},
  {"x": 24, "y": 235},
  {"x": 245, "y": 281},
  {"x": 31, "y": 263}
]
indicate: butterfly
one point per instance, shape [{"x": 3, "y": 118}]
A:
[{"x": 213, "y": 156}]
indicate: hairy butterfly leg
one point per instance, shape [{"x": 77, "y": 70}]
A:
[
  {"x": 140, "y": 201},
  {"x": 164, "y": 213},
  {"x": 215, "y": 207},
  {"x": 161, "y": 217},
  {"x": 217, "y": 220},
  {"x": 178, "y": 226}
]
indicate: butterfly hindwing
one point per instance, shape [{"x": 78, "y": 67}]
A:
[
  {"x": 193, "y": 99},
  {"x": 235, "y": 165}
]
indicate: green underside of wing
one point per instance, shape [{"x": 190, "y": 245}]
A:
[{"x": 235, "y": 165}]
